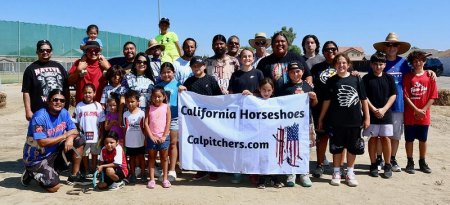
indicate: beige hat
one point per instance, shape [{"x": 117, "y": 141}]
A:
[
  {"x": 403, "y": 47},
  {"x": 152, "y": 43},
  {"x": 260, "y": 36}
]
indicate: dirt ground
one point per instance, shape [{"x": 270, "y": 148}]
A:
[{"x": 402, "y": 188}]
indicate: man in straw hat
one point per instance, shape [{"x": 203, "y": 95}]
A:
[
  {"x": 260, "y": 43},
  {"x": 398, "y": 67},
  {"x": 154, "y": 51}
]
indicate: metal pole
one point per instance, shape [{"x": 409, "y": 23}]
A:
[{"x": 159, "y": 12}]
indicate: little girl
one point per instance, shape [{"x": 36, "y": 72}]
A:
[
  {"x": 169, "y": 40},
  {"x": 113, "y": 163},
  {"x": 112, "y": 118},
  {"x": 87, "y": 114},
  {"x": 157, "y": 124},
  {"x": 114, "y": 75},
  {"x": 266, "y": 90},
  {"x": 170, "y": 85},
  {"x": 92, "y": 33}
]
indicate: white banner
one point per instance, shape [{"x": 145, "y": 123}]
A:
[{"x": 244, "y": 134}]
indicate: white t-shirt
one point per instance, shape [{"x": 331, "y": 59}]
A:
[
  {"x": 134, "y": 123},
  {"x": 88, "y": 117},
  {"x": 182, "y": 70}
]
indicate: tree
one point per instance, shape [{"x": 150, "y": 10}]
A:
[{"x": 290, "y": 35}]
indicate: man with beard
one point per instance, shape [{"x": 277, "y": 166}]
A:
[
  {"x": 221, "y": 65},
  {"x": 233, "y": 46},
  {"x": 126, "y": 62},
  {"x": 40, "y": 78},
  {"x": 182, "y": 69}
]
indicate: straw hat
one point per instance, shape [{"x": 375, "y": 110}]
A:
[
  {"x": 152, "y": 43},
  {"x": 403, "y": 47},
  {"x": 260, "y": 36}
]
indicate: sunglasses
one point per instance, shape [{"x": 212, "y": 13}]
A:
[
  {"x": 392, "y": 45},
  {"x": 93, "y": 50},
  {"x": 42, "y": 50},
  {"x": 141, "y": 62},
  {"x": 260, "y": 43},
  {"x": 233, "y": 43},
  {"x": 330, "y": 49},
  {"x": 61, "y": 100}
]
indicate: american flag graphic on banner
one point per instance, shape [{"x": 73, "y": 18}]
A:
[{"x": 288, "y": 145}]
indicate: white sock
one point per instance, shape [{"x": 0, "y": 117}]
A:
[
  {"x": 350, "y": 171},
  {"x": 337, "y": 169}
]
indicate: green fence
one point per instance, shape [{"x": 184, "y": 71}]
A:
[{"x": 19, "y": 39}]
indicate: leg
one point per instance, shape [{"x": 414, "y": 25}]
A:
[
  {"x": 321, "y": 149},
  {"x": 94, "y": 160},
  {"x": 350, "y": 160},
  {"x": 151, "y": 163},
  {"x": 386, "y": 146},
  {"x": 422, "y": 149},
  {"x": 409, "y": 149},
  {"x": 372, "y": 148},
  {"x": 111, "y": 173},
  {"x": 164, "y": 163},
  {"x": 132, "y": 165},
  {"x": 173, "y": 150},
  {"x": 76, "y": 160},
  {"x": 394, "y": 147}
]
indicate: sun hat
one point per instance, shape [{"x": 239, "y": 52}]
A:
[
  {"x": 392, "y": 37},
  {"x": 152, "y": 43},
  {"x": 260, "y": 36}
]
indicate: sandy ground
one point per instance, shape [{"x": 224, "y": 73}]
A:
[{"x": 402, "y": 188}]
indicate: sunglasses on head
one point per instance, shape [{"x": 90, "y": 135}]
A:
[
  {"x": 42, "y": 50},
  {"x": 330, "y": 49},
  {"x": 392, "y": 45},
  {"x": 260, "y": 43},
  {"x": 61, "y": 100},
  {"x": 141, "y": 62}
]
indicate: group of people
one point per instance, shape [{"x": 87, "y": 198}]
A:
[{"x": 126, "y": 107}]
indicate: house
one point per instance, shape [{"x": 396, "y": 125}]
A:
[{"x": 354, "y": 53}]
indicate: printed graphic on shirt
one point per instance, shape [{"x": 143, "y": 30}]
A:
[
  {"x": 417, "y": 90},
  {"x": 278, "y": 71},
  {"x": 347, "y": 96},
  {"x": 50, "y": 78},
  {"x": 327, "y": 73}
]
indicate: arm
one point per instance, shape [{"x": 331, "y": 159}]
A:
[
  {"x": 325, "y": 106},
  {"x": 177, "y": 45},
  {"x": 182, "y": 88},
  {"x": 388, "y": 105},
  {"x": 27, "y": 105},
  {"x": 75, "y": 71},
  {"x": 167, "y": 129},
  {"x": 104, "y": 64},
  {"x": 365, "y": 109},
  {"x": 103, "y": 166},
  {"x": 68, "y": 136},
  {"x": 313, "y": 99}
]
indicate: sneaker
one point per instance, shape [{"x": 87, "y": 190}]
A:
[
  {"x": 317, "y": 173},
  {"x": 236, "y": 178},
  {"x": 387, "y": 171},
  {"x": 213, "y": 177},
  {"x": 373, "y": 170},
  {"x": 278, "y": 184},
  {"x": 336, "y": 179},
  {"x": 132, "y": 179},
  {"x": 326, "y": 162},
  {"x": 172, "y": 176},
  {"x": 116, "y": 185},
  {"x": 261, "y": 186},
  {"x": 78, "y": 179},
  {"x": 144, "y": 178},
  {"x": 290, "y": 181},
  {"x": 151, "y": 184},
  {"x": 166, "y": 184},
  {"x": 26, "y": 178},
  {"x": 89, "y": 175},
  {"x": 395, "y": 166},
  {"x": 424, "y": 166},
  {"x": 410, "y": 168},
  {"x": 351, "y": 180},
  {"x": 380, "y": 163},
  {"x": 199, "y": 175},
  {"x": 305, "y": 181},
  {"x": 261, "y": 182}
]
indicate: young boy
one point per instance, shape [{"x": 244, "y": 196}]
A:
[
  {"x": 113, "y": 163},
  {"x": 345, "y": 95},
  {"x": 134, "y": 135},
  {"x": 203, "y": 84},
  {"x": 297, "y": 86},
  {"x": 419, "y": 91},
  {"x": 381, "y": 93}
]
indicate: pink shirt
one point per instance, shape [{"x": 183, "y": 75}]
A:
[{"x": 158, "y": 117}]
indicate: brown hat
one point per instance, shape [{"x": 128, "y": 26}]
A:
[
  {"x": 260, "y": 36},
  {"x": 152, "y": 43},
  {"x": 392, "y": 38}
]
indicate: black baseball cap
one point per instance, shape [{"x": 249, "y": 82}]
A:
[
  {"x": 195, "y": 60},
  {"x": 295, "y": 65}
]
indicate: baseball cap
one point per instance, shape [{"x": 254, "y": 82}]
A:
[
  {"x": 195, "y": 60},
  {"x": 295, "y": 65}
]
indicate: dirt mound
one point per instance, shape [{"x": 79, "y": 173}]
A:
[{"x": 444, "y": 98}]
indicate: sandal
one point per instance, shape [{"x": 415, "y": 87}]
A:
[
  {"x": 166, "y": 184},
  {"x": 151, "y": 184}
]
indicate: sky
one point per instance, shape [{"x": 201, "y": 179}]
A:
[{"x": 425, "y": 24}]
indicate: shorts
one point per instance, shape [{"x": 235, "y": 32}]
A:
[
  {"x": 46, "y": 171},
  {"x": 135, "y": 151},
  {"x": 174, "y": 124},
  {"x": 397, "y": 123},
  {"x": 419, "y": 132},
  {"x": 118, "y": 172},
  {"x": 91, "y": 148},
  {"x": 152, "y": 146},
  {"x": 344, "y": 137},
  {"x": 379, "y": 130}
]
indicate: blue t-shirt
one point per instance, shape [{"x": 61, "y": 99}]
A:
[
  {"x": 171, "y": 89},
  {"x": 44, "y": 125},
  {"x": 398, "y": 68},
  {"x": 86, "y": 39}
]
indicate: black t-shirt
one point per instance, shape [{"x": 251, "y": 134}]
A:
[
  {"x": 379, "y": 90},
  {"x": 345, "y": 95},
  {"x": 206, "y": 85},
  {"x": 290, "y": 88},
  {"x": 40, "y": 78},
  {"x": 241, "y": 81},
  {"x": 275, "y": 68},
  {"x": 122, "y": 62},
  {"x": 320, "y": 73}
]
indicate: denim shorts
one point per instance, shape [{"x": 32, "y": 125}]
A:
[{"x": 152, "y": 146}]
